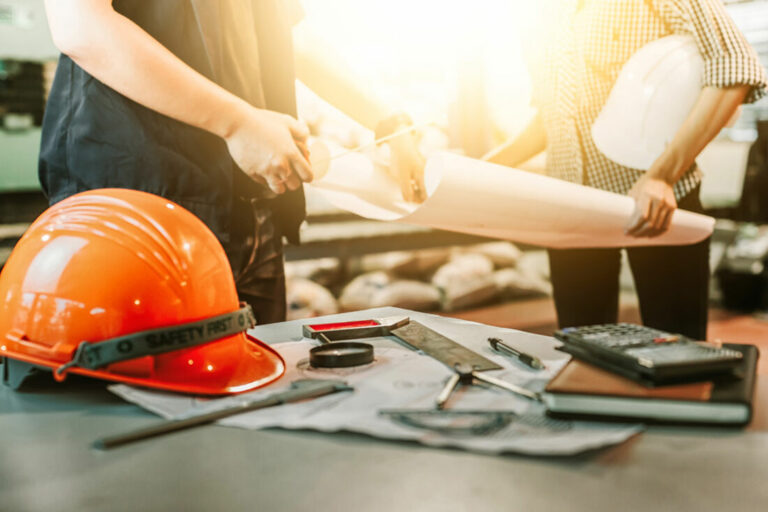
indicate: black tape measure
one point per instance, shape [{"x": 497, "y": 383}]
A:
[{"x": 341, "y": 354}]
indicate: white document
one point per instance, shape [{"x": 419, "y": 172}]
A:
[
  {"x": 401, "y": 378},
  {"x": 479, "y": 198}
]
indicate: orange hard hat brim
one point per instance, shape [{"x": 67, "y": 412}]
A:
[{"x": 259, "y": 365}]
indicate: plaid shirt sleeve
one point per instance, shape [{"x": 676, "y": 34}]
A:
[{"x": 728, "y": 58}]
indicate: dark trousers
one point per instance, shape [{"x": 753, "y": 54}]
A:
[
  {"x": 255, "y": 252},
  {"x": 672, "y": 283}
]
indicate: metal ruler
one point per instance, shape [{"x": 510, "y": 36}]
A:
[
  {"x": 441, "y": 348},
  {"x": 414, "y": 334}
]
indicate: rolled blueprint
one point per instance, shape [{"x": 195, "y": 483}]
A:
[{"x": 479, "y": 198}]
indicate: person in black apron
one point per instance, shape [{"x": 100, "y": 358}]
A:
[{"x": 191, "y": 100}]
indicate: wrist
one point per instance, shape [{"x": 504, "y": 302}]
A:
[
  {"x": 669, "y": 167},
  {"x": 226, "y": 121}
]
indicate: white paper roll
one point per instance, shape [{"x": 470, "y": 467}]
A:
[{"x": 479, "y": 198}]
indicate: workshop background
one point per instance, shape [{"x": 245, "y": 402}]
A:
[{"x": 470, "y": 81}]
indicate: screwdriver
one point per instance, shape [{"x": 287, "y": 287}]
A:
[{"x": 527, "y": 359}]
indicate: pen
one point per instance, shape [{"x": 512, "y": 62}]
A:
[{"x": 527, "y": 359}]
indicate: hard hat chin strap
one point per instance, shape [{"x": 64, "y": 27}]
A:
[{"x": 159, "y": 341}]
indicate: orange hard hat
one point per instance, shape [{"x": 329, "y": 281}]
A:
[{"x": 127, "y": 286}]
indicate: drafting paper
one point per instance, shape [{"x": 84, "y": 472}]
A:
[
  {"x": 479, "y": 198},
  {"x": 402, "y": 378}
]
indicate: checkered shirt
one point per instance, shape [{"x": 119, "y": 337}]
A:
[{"x": 581, "y": 52}]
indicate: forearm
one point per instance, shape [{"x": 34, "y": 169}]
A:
[
  {"x": 523, "y": 147},
  {"x": 120, "y": 54},
  {"x": 712, "y": 110}
]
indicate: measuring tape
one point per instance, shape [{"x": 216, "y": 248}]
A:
[{"x": 341, "y": 354}]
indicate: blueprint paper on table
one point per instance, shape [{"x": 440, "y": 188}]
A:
[
  {"x": 401, "y": 378},
  {"x": 480, "y": 198}
]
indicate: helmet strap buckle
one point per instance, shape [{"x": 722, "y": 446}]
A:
[
  {"x": 60, "y": 373},
  {"x": 251, "y": 318}
]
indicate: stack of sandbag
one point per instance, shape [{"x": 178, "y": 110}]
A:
[
  {"x": 529, "y": 277},
  {"x": 324, "y": 271},
  {"x": 535, "y": 263},
  {"x": 419, "y": 265},
  {"x": 517, "y": 274},
  {"x": 379, "y": 289},
  {"x": 513, "y": 283},
  {"x": 465, "y": 281},
  {"x": 459, "y": 278},
  {"x": 447, "y": 279},
  {"x": 307, "y": 299},
  {"x": 501, "y": 254}
]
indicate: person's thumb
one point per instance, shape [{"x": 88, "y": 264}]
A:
[{"x": 299, "y": 129}]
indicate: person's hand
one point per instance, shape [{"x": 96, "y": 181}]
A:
[
  {"x": 654, "y": 205},
  {"x": 271, "y": 149},
  {"x": 407, "y": 166}
]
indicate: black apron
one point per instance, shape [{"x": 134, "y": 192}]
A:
[{"x": 94, "y": 137}]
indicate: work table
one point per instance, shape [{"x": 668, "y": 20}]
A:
[{"x": 46, "y": 462}]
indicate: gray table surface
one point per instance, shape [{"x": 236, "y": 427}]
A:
[{"x": 46, "y": 463}]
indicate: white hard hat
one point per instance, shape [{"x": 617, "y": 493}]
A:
[{"x": 652, "y": 97}]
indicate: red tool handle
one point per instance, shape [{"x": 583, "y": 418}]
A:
[
  {"x": 342, "y": 325},
  {"x": 354, "y": 329}
]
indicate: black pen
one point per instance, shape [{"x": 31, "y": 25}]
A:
[{"x": 527, "y": 359}]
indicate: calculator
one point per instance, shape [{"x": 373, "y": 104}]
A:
[{"x": 645, "y": 354}]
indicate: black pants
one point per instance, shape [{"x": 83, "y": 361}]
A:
[
  {"x": 672, "y": 283},
  {"x": 255, "y": 252}
]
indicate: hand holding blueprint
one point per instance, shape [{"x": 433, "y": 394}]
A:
[{"x": 479, "y": 198}]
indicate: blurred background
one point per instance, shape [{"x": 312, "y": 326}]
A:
[{"x": 454, "y": 63}]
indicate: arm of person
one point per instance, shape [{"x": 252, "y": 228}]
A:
[
  {"x": 266, "y": 145},
  {"x": 653, "y": 193},
  {"x": 732, "y": 74},
  {"x": 521, "y": 148},
  {"x": 336, "y": 84}
]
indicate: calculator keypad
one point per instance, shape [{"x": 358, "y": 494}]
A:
[{"x": 646, "y": 346}]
